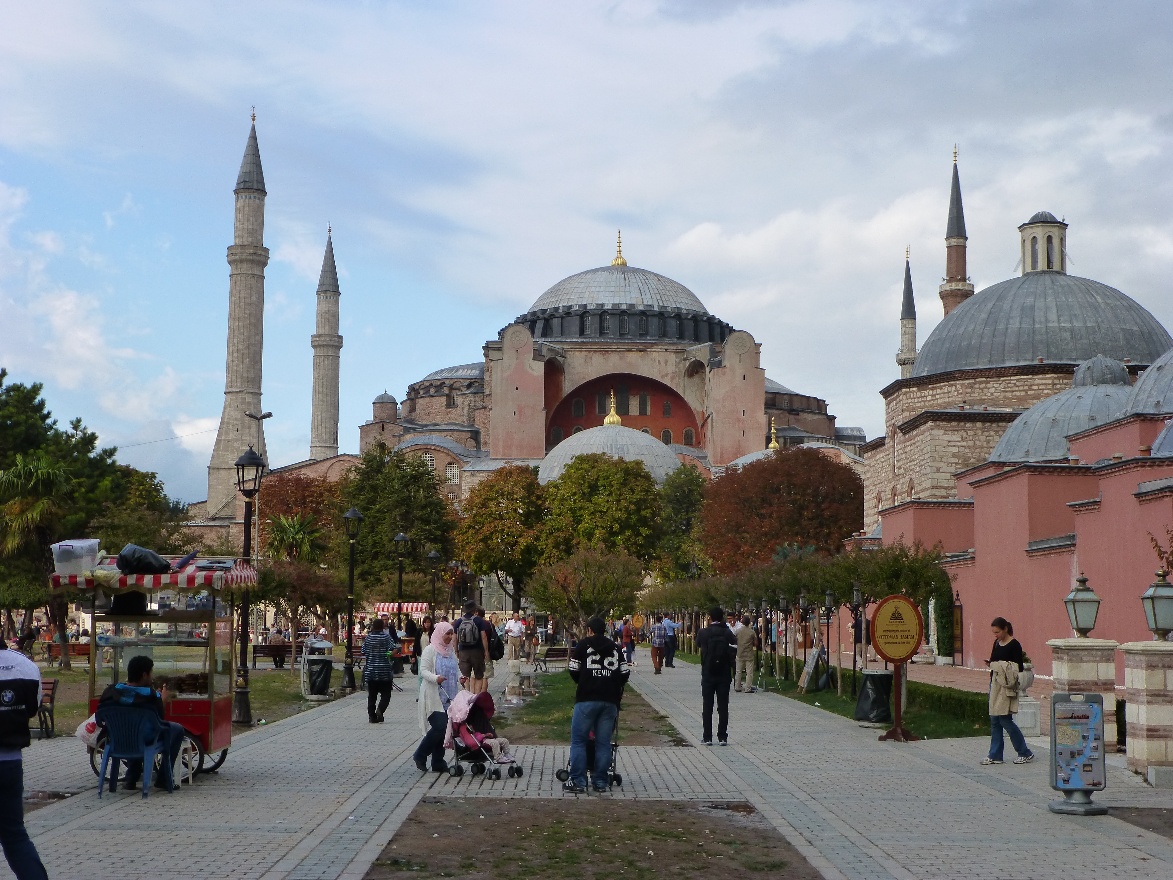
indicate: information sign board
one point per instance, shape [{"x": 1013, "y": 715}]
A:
[
  {"x": 1077, "y": 742},
  {"x": 897, "y": 629}
]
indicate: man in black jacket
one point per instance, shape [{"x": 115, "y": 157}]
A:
[
  {"x": 601, "y": 672},
  {"x": 718, "y": 648},
  {"x": 20, "y": 697}
]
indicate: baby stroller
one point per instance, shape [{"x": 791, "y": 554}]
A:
[
  {"x": 472, "y": 724},
  {"x": 613, "y": 777}
]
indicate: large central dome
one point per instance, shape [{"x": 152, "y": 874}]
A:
[{"x": 620, "y": 286}]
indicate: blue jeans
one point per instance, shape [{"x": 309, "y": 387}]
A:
[
  {"x": 18, "y": 848},
  {"x": 598, "y": 716},
  {"x": 629, "y": 650},
  {"x": 999, "y": 723}
]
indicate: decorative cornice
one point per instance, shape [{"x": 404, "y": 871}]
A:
[{"x": 956, "y": 415}]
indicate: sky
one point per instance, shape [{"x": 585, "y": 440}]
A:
[{"x": 776, "y": 158}]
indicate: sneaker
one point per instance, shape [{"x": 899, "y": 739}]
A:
[
  {"x": 724, "y": 742},
  {"x": 601, "y": 789},
  {"x": 987, "y": 761},
  {"x": 573, "y": 788},
  {"x": 421, "y": 765},
  {"x": 1024, "y": 759},
  {"x": 708, "y": 742}
]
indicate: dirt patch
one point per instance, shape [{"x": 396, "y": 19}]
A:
[
  {"x": 1154, "y": 819},
  {"x": 587, "y": 838}
]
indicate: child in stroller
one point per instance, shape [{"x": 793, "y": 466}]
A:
[{"x": 470, "y": 728}]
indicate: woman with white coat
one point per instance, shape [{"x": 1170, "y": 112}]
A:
[{"x": 439, "y": 682}]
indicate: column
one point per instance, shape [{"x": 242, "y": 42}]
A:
[
  {"x": 1087, "y": 666},
  {"x": 1148, "y": 687}
]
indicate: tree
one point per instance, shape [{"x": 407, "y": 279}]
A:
[
  {"x": 295, "y": 537},
  {"x": 297, "y": 588},
  {"x": 602, "y": 502},
  {"x": 795, "y": 496},
  {"x": 316, "y": 499},
  {"x": 500, "y": 532},
  {"x": 588, "y": 583},
  {"x": 681, "y": 497},
  {"x": 144, "y": 516}
]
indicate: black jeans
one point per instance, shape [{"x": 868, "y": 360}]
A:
[
  {"x": 715, "y": 687},
  {"x": 380, "y": 689},
  {"x": 670, "y": 651},
  {"x": 18, "y": 848},
  {"x": 432, "y": 745}
]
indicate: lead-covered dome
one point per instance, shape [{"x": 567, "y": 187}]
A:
[
  {"x": 613, "y": 440},
  {"x": 620, "y": 286},
  {"x": 1153, "y": 391},
  {"x": 1050, "y": 315}
]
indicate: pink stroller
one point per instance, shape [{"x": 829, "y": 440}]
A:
[{"x": 469, "y": 734}]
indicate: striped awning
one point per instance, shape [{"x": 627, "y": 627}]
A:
[
  {"x": 408, "y": 608},
  {"x": 107, "y": 577}
]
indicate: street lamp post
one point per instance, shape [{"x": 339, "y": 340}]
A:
[
  {"x": 400, "y": 543},
  {"x": 1157, "y": 602},
  {"x": 434, "y": 560},
  {"x": 804, "y": 615},
  {"x": 352, "y": 519},
  {"x": 856, "y": 609},
  {"x": 828, "y": 612},
  {"x": 249, "y": 469},
  {"x": 784, "y": 611}
]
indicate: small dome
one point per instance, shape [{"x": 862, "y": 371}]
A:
[
  {"x": 385, "y": 398},
  {"x": 1042, "y": 217},
  {"x": 750, "y": 458},
  {"x": 1040, "y": 433},
  {"x": 613, "y": 440},
  {"x": 1101, "y": 370},
  {"x": 460, "y": 371},
  {"x": 620, "y": 286},
  {"x": 1163, "y": 445},
  {"x": 1153, "y": 391}
]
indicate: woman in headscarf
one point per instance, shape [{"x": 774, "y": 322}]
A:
[{"x": 439, "y": 684}]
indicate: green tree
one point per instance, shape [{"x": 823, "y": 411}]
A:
[
  {"x": 144, "y": 515},
  {"x": 295, "y": 537},
  {"x": 681, "y": 554},
  {"x": 587, "y": 583},
  {"x": 602, "y": 502},
  {"x": 501, "y": 527}
]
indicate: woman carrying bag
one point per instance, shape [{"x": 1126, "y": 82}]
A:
[
  {"x": 439, "y": 683},
  {"x": 1006, "y": 661}
]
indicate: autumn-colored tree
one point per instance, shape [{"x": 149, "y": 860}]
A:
[
  {"x": 588, "y": 583},
  {"x": 602, "y": 502},
  {"x": 500, "y": 532},
  {"x": 298, "y": 588},
  {"x": 316, "y": 499},
  {"x": 797, "y": 496}
]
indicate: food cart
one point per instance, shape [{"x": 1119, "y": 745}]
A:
[{"x": 179, "y": 620}]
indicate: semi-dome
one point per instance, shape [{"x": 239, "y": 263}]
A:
[
  {"x": 1153, "y": 391},
  {"x": 615, "y": 441},
  {"x": 620, "y": 286},
  {"x": 1050, "y": 315},
  {"x": 384, "y": 398},
  {"x": 1040, "y": 433},
  {"x": 749, "y": 458},
  {"x": 1163, "y": 445}
]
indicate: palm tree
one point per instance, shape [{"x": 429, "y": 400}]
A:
[{"x": 294, "y": 538}]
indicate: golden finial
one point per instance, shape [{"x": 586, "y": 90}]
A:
[
  {"x": 619, "y": 261},
  {"x": 773, "y": 435},
  {"x": 254, "y": 115},
  {"x": 613, "y": 416},
  {"x": 955, "y": 154}
]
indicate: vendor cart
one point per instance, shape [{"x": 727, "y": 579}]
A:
[{"x": 180, "y": 621}]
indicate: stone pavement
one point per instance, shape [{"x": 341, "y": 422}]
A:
[{"x": 319, "y": 795}]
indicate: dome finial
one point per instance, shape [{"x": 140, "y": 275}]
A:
[
  {"x": 613, "y": 417},
  {"x": 619, "y": 261},
  {"x": 773, "y": 435},
  {"x": 254, "y": 115}
]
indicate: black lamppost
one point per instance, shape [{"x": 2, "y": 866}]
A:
[
  {"x": 804, "y": 615},
  {"x": 401, "y": 547},
  {"x": 249, "y": 469},
  {"x": 828, "y": 612},
  {"x": 352, "y": 519},
  {"x": 856, "y": 631},
  {"x": 434, "y": 561},
  {"x": 784, "y": 612}
]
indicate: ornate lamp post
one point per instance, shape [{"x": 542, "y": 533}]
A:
[
  {"x": 434, "y": 562},
  {"x": 352, "y": 519},
  {"x": 1158, "y": 606},
  {"x": 401, "y": 547},
  {"x": 784, "y": 612},
  {"x": 856, "y": 610},
  {"x": 1083, "y": 606},
  {"x": 250, "y": 467},
  {"x": 828, "y": 613}
]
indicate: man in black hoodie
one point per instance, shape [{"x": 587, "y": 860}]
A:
[
  {"x": 717, "y": 646},
  {"x": 601, "y": 672},
  {"x": 20, "y": 697}
]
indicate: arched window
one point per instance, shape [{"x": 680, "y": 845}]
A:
[
  {"x": 666, "y": 437},
  {"x": 585, "y": 326},
  {"x": 604, "y": 324},
  {"x": 578, "y": 408},
  {"x": 452, "y": 473},
  {"x": 450, "y": 400},
  {"x": 623, "y": 325},
  {"x": 555, "y": 435},
  {"x": 645, "y": 430},
  {"x": 1034, "y": 253},
  {"x": 689, "y": 438},
  {"x": 577, "y": 429},
  {"x": 643, "y": 325},
  {"x": 429, "y": 460},
  {"x": 645, "y": 404},
  {"x": 1050, "y": 252},
  {"x": 667, "y": 409},
  {"x": 602, "y": 403}
]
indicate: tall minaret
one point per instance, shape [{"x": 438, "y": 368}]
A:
[
  {"x": 906, "y": 357},
  {"x": 956, "y": 288},
  {"x": 326, "y": 344},
  {"x": 247, "y": 258}
]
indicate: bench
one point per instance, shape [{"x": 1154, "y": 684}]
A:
[
  {"x": 273, "y": 651},
  {"x": 46, "y": 720},
  {"x": 77, "y": 650},
  {"x": 551, "y": 654}
]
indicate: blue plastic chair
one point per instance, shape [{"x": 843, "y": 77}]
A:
[{"x": 133, "y": 733}]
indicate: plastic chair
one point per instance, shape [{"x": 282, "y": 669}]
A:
[{"x": 132, "y": 733}]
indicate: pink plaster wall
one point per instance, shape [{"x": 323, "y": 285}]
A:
[
  {"x": 1125, "y": 437},
  {"x": 951, "y": 527}
]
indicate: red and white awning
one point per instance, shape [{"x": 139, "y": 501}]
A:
[
  {"x": 408, "y": 608},
  {"x": 107, "y": 577}
]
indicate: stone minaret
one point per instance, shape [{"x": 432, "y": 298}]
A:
[
  {"x": 247, "y": 258},
  {"x": 956, "y": 287},
  {"x": 327, "y": 345},
  {"x": 906, "y": 357}
]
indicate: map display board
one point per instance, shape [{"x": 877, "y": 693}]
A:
[{"x": 1077, "y": 742}]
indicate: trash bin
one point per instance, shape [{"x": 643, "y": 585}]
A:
[
  {"x": 319, "y": 667},
  {"x": 873, "y": 704}
]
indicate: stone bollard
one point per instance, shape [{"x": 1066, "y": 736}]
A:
[
  {"x": 513, "y": 687},
  {"x": 1088, "y": 666},
  {"x": 1148, "y": 683}
]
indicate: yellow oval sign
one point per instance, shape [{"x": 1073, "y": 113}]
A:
[
  {"x": 897, "y": 629},
  {"x": 638, "y": 621}
]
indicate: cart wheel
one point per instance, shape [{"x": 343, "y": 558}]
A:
[
  {"x": 96, "y": 753},
  {"x": 478, "y": 769},
  {"x": 517, "y": 771},
  {"x": 456, "y": 771},
  {"x": 494, "y": 774},
  {"x": 208, "y": 765},
  {"x": 617, "y": 779},
  {"x": 562, "y": 775}
]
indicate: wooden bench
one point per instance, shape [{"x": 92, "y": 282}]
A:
[
  {"x": 46, "y": 719},
  {"x": 551, "y": 654},
  {"x": 77, "y": 651},
  {"x": 272, "y": 651}
]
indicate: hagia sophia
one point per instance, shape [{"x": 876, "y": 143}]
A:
[{"x": 1025, "y": 437}]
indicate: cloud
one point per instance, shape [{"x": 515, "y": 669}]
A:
[{"x": 128, "y": 206}]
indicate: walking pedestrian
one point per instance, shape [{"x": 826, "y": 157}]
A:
[
  {"x": 427, "y": 625},
  {"x": 377, "y": 674},
  {"x": 659, "y": 639},
  {"x": 1006, "y": 661},
  {"x": 515, "y": 631},
  {"x": 627, "y": 636},
  {"x": 746, "y": 643},
  {"x": 20, "y": 680},
  {"x": 472, "y": 647},
  {"x": 670, "y": 646},
  {"x": 439, "y": 684},
  {"x": 717, "y": 649},
  {"x": 601, "y": 673}
]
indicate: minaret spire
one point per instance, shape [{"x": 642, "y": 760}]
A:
[
  {"x": 327, "y": 346},
  {"x": 956, "y": 288},
  {"x": 906, "y": 357}
]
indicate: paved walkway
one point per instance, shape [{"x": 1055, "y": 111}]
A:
[{"x": 320, "y": 794}]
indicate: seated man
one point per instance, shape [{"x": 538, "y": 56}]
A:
[
  {"x": 599, "y": 667},
  {"x": 278, "y": 642},
  {"x": 137, "y": 690}
]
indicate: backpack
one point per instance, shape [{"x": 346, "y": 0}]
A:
[
  {"x": 718, "y": 653},
  {"x": 468, "y": 634},
  {"x": 496, "y": 646}
]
